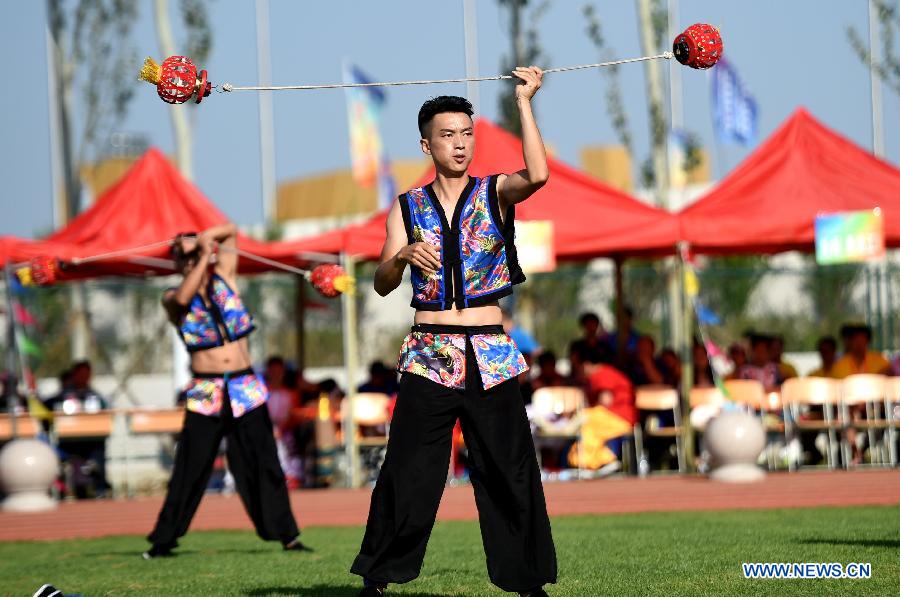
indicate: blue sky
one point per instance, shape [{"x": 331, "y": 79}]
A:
[{"x": 788, "y": 53}]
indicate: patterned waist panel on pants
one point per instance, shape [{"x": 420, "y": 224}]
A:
[
  {"x": 442, "y": 357},
  {"x": 246, "y": 391}
]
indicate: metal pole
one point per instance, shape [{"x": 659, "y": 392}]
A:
[
  {"x": 300, "y": 323},
  {"x": 471, "y": 35},
  {"x": 874, "y": 57},
  {"x": 266, "y": 119},
  {"x": 348, "y": 300},
  {"x": 675, "y": 105},
  {"x": 687, "y": 366},
  {"x": 13, "y": 357},
  {"x": 56, "y": 167}
]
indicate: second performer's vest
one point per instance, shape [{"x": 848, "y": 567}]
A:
[{"x": 478, "y": 253}]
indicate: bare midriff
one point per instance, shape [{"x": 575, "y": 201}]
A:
[
  {"x": 485, "y": 315},
  {"x": 233, "y": 356}
]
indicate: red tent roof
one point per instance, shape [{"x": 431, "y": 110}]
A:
[
  {"x": 152, "y": 202},
  {"x": 769, "y": 203},
  {"x": 590, "y": 218}
]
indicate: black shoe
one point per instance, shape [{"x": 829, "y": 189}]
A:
[
  {"x": 157, "y": 551},
  {"x": 373, "y": 591},
  {"x": 296, "y": 545},
  {"x": 47, "y": 591}
]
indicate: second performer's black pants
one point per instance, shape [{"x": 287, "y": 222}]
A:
[
  {"x": 252, "y": 459},
  {"x": 504, "y": 472}
]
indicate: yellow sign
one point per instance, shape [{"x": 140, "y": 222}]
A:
[{"x": 534, "y": 245}]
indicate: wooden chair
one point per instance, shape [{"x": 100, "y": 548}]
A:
[
  {"x": 26, "y": 427},
  {"x": 752, "y": 395},
  {"x": 154, "y": 421},
  {"x": 98, "y": 424},
  {"x": 801, "y": 392},
  {"x": 658, "y": 398},
  {"x": 869, "y": 390},
  {"x": 892, "y": 403},
  {"x": 370, "y": 409},
  {"x": 704, "y": 402},
  {"x": 549, "y": 405}
]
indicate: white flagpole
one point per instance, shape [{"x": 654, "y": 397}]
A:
[
  {"x": 874, "y": 57},
  {"x": 471, "y": 35},
  {"x": 266, "y": 119}
]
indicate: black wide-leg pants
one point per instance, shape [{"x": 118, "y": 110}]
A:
[
  {"x": 252, "y": 459},
  {"x": 504, "y": 472}
]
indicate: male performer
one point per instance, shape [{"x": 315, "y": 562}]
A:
[
  {"x": 457, "y": 363},
  {"x": 225, "y": 398}
]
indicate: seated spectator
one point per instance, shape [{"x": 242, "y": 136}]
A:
[
  {"x": 644, "y": 368},
  {"x": 381, "y": 379},
  {"x": 9, "y": 394},
  {"x": 283, "y": 404},
  {"x": 761, "y": 368},
  {"x": 670, "y": 366},
  {"x": 525, "y": 342},
  {"x": 85, "y": 457},
  {"x": 703, "y": 371},
  {"x": 785, "y": 370},
  {"x": 827, "y": 349},
  {"x": 592, "y": 342},
  {"x": 547, "y": 375},
  {"x": 737, "y": 354},
  {"x": 610, "y": 388},
  {"x": 859, "y": 359},
  {"x": 631, "y": 336}
]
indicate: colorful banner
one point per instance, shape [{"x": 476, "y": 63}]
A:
[
  {"x": 850, "y": 237},
  {"x": 534, "y": 246},
  {"x": 369, "y": 158},
  {"x": 734, "y": 110}
]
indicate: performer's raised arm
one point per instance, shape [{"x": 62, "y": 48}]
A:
[{"x": 519, "y": 186}]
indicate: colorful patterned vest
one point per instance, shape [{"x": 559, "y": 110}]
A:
[
  {"x": 478, "y": 253},
  {"x": 201, "y": 326}
]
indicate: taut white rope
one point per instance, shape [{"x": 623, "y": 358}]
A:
[{"x": 228, "y": 87}]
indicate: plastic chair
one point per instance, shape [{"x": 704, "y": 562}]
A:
[
  {"x": 812, "y": 391},
  {"x": 658, "y": 398},
  {"x": 869, "y": 390}
]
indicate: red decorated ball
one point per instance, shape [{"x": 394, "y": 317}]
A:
[
  {"x": 44, "y": 270},
  {"x": 700, "y": 46},
  {"x": 324, "y": 278},
  {"x": 179, "y": 81}
]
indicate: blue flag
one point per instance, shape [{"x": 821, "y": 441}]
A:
[{"x": 734, "y": 110}]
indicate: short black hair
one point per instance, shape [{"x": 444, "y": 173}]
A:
[
  {"x": 826, "y": 340},
  {"x": 275, "y": 360},
  {"x": 851, "y": 329},
  {"x": 547, "y": 357},
  {"x": 439, "y": 105},
  {"x": 586, "y": 317}
]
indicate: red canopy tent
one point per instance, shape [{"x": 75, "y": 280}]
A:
[
  {"x": 769, "y": 203},
  {"x": 151, "y": 203},
  {"x": 590, "y": 218}
]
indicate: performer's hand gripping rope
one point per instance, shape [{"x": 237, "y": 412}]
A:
[{"x": 177, "y": 80}]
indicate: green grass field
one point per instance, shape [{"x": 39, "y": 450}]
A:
[{"x": 637, "y": 554}]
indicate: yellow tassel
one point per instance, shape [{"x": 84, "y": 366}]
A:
[
  {"x": 150, "y": 72},
  {"x": 24, "y": 275},
  {"x": 345, "y": 284}
]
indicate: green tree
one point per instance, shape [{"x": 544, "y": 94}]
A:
[
  {"x": 888, "y": 68},
  {"x": 525, "y": 50}
]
